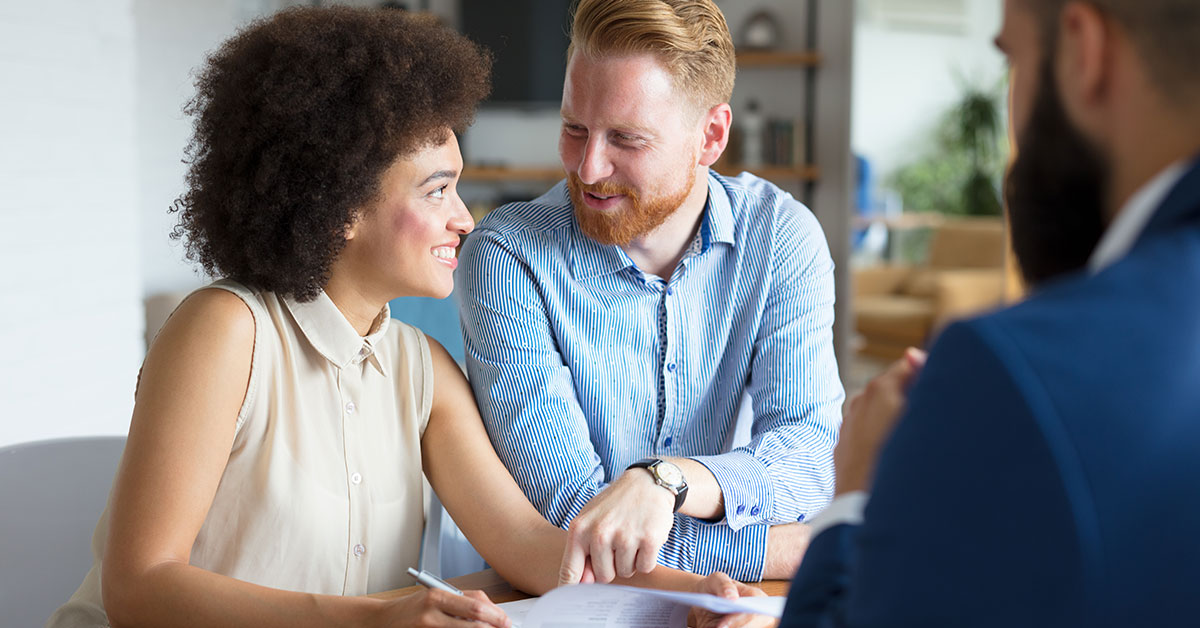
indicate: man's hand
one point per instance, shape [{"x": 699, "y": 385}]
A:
[
  {"x": 721, "y": 585},
  {"x": 620, "y": 531},
  {"x": 869, "y": 419}
]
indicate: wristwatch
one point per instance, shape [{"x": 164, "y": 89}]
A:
[{"x": 666, "y": 475}]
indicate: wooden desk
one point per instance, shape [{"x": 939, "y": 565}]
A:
[{"x": 499, "y": 591}]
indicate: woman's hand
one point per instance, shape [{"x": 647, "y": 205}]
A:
[
  {"x": 434, "y": 608},
  {"x": 722, "y": 585}
]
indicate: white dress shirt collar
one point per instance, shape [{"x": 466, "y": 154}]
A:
[{"x": 1133, "y": 218}]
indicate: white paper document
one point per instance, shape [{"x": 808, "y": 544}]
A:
[
  {"x": 519, "y": 610},
  {"x": 613, "y": 606}
]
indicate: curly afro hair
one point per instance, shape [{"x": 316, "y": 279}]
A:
[{"x": 296, "y": 119}]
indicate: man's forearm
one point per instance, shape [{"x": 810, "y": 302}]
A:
[
  {"x": 786, "y": 545},
  {"x": 704, "y": 499}
]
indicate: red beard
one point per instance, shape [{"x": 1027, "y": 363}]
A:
[{"x": 636, "y": 219}]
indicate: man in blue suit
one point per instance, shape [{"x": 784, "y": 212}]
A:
[{"x": 1044, "y": 469}]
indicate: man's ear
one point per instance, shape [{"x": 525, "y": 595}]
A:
[
  {"x": 717, "y": 121},
  {"x": 1086, "y": 59}
]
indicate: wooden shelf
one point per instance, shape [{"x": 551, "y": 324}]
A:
[
  {"x": 492, "y": 174},
  {"x": 763, "y": 59},
  {"x": 773, "y": 173}
]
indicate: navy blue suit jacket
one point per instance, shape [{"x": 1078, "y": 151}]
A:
[{"x": 1047, "y": 469}]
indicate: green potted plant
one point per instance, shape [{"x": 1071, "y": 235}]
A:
[{"x": 961, "y": 173}]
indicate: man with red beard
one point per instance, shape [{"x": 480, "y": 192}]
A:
[
  {"x": 1042, "y": 469},
  {"x": 614, "y": 324}
]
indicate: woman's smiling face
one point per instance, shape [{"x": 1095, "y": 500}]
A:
[{"x": 405, "y": 242}]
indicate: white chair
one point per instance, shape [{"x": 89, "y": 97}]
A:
[{"x": 51, "y": 495}]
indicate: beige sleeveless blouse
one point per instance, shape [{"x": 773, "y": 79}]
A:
[{"x": 323, "y": 489}]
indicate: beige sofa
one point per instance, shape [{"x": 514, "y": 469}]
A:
[{"x": 900, "y": 306}]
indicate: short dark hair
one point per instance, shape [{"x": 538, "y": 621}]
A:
[
  {"x": 1165, "y": 32},
  {"x": 296, "y": 119}
]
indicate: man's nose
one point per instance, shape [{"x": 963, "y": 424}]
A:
[{"x": 595, "y": 165}]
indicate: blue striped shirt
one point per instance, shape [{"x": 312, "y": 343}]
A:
[{"x": 582, "y": 364}]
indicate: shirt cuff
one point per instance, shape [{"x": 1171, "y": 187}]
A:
[
  {"x": 846, "y": 508},
  {"x": 744, "y": 487},
  {"x": 702, "y": 548}
]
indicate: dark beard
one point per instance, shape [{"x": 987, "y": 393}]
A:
[{"x": 1055, "y": 190}]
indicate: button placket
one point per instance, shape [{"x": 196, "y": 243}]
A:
[
  {"x": 354, "y": 428},
  {"x": 669, "y": 392},
  {"x": 664, "y": 350}
]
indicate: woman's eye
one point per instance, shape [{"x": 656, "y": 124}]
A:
[{"x": 440, "y": 192}]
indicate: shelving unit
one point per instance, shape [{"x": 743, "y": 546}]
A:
[
  {"x": 760, "y": 59},
  {"x": 807, "y": 61}
]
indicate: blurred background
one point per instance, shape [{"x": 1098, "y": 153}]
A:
[{"x": 885, "y": 116}]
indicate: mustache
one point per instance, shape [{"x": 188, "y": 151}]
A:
[{"x": 603, "y": 188}]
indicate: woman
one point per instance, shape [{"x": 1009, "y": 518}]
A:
[{"x": 272, "y": 474}]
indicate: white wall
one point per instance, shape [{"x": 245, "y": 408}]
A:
[
  {"x": 173, "y": 37},
  {"x": 70, "y": 293},
  {"x": 904, "y": 79}
]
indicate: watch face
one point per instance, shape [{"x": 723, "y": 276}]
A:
[{"x": 669, "y": 473}]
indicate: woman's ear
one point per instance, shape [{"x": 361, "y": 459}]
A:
[{"x": 352, "y": 229}]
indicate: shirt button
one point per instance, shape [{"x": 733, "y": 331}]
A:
[
  {"x": 671, "y": 367},
  {"x": 741, "y": 509},
  {"x": 356, "y": 478},
  {"x": 359, "y": 550},
  {"x": 667, "y": 443},
  {"x": 350, "y": 407},
  {"x": 801, "y": 517},
  {"x": 670, "y": 291},
  {"x": 754, "y": 511}
]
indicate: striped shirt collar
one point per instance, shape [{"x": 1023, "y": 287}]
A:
[
  {"x": 327, "y": 329},
  {"x": 592, "y": 259}
]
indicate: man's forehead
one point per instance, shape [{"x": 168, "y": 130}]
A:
[{"x": 630, "y": 93}]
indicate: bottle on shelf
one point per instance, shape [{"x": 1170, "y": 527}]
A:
[{"x": 753, "y": 128}]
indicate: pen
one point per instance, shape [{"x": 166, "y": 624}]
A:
[{"x": 433, "y": 582}]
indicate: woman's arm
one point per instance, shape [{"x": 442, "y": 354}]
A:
[
  {"x": 484, "y": 500},
  {"x": 192, "y": 386}
]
